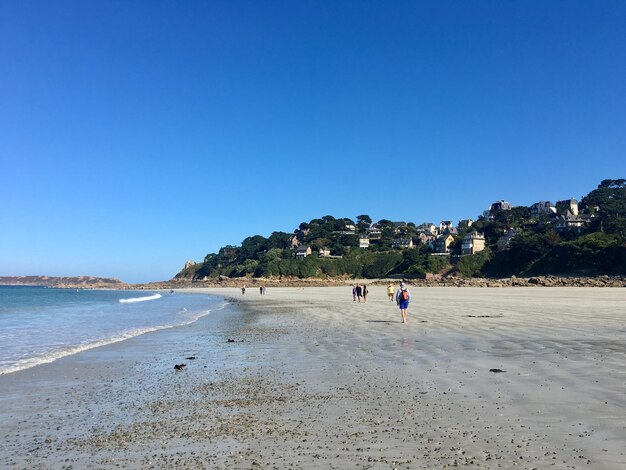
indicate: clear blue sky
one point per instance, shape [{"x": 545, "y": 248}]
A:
[{"x": 136, "y": 135}]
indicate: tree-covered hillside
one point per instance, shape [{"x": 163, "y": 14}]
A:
[{"x": 586, "y": 237}]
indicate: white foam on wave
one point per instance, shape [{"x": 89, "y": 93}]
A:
[
  {"x": 54, "y": 355},
  {"x": 141, "y": 299}
]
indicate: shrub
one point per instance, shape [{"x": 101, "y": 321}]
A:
[
  {"x": 472, "y": 265},
  {"x": 435, "y": 264}
]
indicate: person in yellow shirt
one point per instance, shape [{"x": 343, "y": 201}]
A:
[{"x": 390, "y": 292}]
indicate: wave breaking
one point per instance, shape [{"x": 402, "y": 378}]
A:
[{"x": 140, "y": 299}]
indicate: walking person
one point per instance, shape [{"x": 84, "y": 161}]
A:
[
  {"x": 365, "y": 292},
  {"x": 243, "y": 290},
  {"x": 403, "y": 297},
  {"x": 359, "y": 293},
  {"x": 390, "y": 292},
  {"x": 260, "y": 290},
  {"x": 354, "y": 292}
]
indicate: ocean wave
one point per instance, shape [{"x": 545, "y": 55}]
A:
[
  {"x": 141, "y": 299},
  {"x": 52, "y": 356}
]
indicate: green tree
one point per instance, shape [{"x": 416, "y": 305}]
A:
[
  {"x": 512, "y": 218},
  {"x": 413, "y": 256},
  {"x": 319, "y": 243},
  {"x": 308, "y": 267},
  {"x": 388, "y": 230},
  {"x": 279, "y": 240},
  {"x": 610, "y": 197},
  {"x": 435, "y": 264},
  {"x": 363, "y": 222},
  {"x": 269, "y": 263},
  {"x": 525, "y": 250},
  {"x": 472, "y": 265},
  {"x": 227, "y": 255},
  {"x": 251, "y": 247},
  {"x": 413, "y": 262},
  {"x": 381, "y": 264}
]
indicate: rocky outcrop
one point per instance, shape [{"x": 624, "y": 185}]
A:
[
  {"x": 431, "y": 281},
  {"x": 513, "y": 281},
  {"x": 189, "y": 264}
]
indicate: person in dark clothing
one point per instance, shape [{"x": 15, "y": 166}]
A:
[{"x": 359, "y": 292}]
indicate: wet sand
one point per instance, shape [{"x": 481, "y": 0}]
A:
[{"x": 312, "y": 379}]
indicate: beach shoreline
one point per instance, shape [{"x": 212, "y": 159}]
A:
[
  {"x": 306, "y": 377},
  {"x": 430, "y": 281}
]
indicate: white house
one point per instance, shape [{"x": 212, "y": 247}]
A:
[
  {"x": 324, "y": 252},
  {"x": 445, "y": 226},
  {"x": 374, "y": 232},
  {"x": 473, "y": 242},
  {"x": 542, "y": 207},
  {"x": 303, "y": 251}
]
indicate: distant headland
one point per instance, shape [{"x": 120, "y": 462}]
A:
[{"x": 65, "y": 281}]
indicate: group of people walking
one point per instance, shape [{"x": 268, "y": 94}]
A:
[
  {"x": 401, "y": 296},
  {"x": 358, "y": 292},
  {"x": 261, "y": 290}
]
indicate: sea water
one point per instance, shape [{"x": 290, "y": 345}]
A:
[{"x": 39, "y": 325}]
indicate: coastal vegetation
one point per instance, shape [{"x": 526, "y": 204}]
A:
[{"x": 578, "y": 238}]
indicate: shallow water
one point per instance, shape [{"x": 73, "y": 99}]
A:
[{"x": 39, "y": 325}]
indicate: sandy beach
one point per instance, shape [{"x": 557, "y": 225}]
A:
[{"x": 304, "y": 378}]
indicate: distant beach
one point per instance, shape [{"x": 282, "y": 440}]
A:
[{"x": 306, "y": 377}]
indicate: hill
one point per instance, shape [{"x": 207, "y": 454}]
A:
[{"x": 570, "y": 237}]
